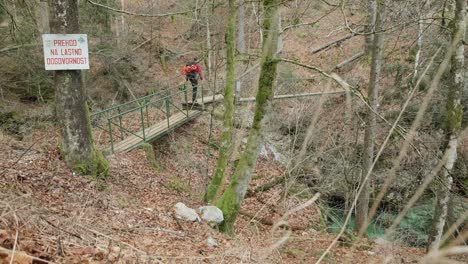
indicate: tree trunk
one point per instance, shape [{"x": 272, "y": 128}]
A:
[
  {"x": 453, "y": 123},
  {"x": 362, "y": 206},
  {"x": 240, "y": 28},
  {"x": 233, "y": 196},
  {"x": 371, "y": 6},
  {"x": 71, "y": 109},
  {"x": 240, "y": 44},
  {"x": 417, "y": 57},
  {"x": 226, "y": 136},
  {"x": 280, "y": 36},
  {"x": 122, "y": 17},
  {"x": 43, "y": 17}
]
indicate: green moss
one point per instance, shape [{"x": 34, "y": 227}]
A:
[
  {"x": 230, "y": 207},
  {"x": 177, "y": 184},
  {"x": 97, "y": 166},
  {"x": 150, "y": 156},
  {"x": 163, "y": 60}
]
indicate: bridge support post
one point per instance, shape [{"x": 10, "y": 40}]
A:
[
  {"x": 168, "y": 112},
  {"x": 202, "y": 98},
  {"x": 237, "y": 93},
  {"x": 143, "y": 123},
  {"x": 186, "y": 100},
  {"x": 120, "y": 123},
  {"x": 109, "y": 123},
  {"x": 147, "y": 114}
]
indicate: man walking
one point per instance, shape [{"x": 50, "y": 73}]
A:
[{"x": 193, "y": 72}]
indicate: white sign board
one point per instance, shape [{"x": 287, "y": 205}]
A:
[{"x": 65, "y": 51}]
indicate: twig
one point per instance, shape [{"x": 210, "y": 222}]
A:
[
  {"x": 66, "y": 231},
  {"x": 14, "y": 247},
  {"x": 308, "y": 23},
  {"x": 120, "y": 241},
  {"x": 38, "y": 260},
  {"x": 334, "y": 77},
  {"x": 19, "y": 158}
]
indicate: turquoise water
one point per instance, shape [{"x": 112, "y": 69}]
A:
[{"x": 336, "y": 219}]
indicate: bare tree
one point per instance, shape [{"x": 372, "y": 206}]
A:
[
  {"x": 376, "y": 49},
  {"x": 226, "y": 136},
  {"x": 454, "y": 118},
  {"x": 71, "y": 108}
]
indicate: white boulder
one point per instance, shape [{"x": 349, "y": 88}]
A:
[
  {"x": 185, "y": 213},
  {"x": 211, "y": 214}
]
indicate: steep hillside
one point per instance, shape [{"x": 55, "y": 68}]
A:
[{"x": 48, "y": 214}]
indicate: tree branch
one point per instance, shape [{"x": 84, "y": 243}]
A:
[
  {"x": 136, "y": 14},
  {"x": 332, "y": 43},
  {"x": 308, "y": 23},
  {"x": 18, "y": 47},
  {"x": 332, "y": 76}
]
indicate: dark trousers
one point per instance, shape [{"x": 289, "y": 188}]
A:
[{"x": 194, "y": 83}]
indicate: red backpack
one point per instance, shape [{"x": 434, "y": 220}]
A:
[{"x": 189, "y": 68}]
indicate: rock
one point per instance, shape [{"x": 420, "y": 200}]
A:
[
  {"x": 211, "y": 214},
  {"x": 382, "y": 241},
  {"x": 268, "y": 149},
  {"x": 211, "y": 242},
  {"x": 185, "y": 213},
  {"x": 263, "y": 152}
]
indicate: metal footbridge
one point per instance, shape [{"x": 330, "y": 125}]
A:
[{"x": 124, "y": 127}]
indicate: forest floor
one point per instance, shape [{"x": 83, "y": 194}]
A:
[{"x": 48, "y": 213}]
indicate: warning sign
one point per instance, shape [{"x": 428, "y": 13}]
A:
[{"x": 65, "y": 51}]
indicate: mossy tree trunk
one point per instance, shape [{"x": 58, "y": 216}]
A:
[
  {"x": 454, "y": 117},
  {"x": 226, "y": 136},
  {"x": 233, "y": 196},
  {"x": 42, "y": 14},
  {"x": 362, "y": 206},
  {"x": 71, "y": 109}
]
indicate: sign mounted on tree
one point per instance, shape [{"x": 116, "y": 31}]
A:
[{"x": 65, "y": 51}]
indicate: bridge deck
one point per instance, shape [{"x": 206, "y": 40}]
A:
[
  {"x": 154, "y": 131},
  {"x": 208, "y": 99}
]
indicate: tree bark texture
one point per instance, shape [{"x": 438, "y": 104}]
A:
[
  {"x": 71, "y": 108},
  {"x": 43, "y": 17},
  {"x": 362, "y": 207},
  {"x": 371, "y": 6},
  {"x": 234, "y": 194},
  {"x": 240, "y": 27},
  {"x": 226, "y": 136},
  {"x": 454, "y": 113}
]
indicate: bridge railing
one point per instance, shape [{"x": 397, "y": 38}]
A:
[{"x": 136, "y": 116}]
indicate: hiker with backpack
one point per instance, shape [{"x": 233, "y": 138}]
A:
[{"x": 193, "y": 72}]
